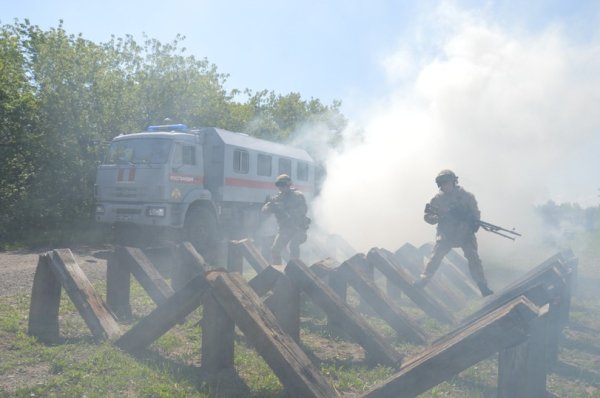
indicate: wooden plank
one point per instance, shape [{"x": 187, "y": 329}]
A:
[
  {"x": 405, "y": 282},
  {"x": 144, "y": 271},
  {"x": 548, "y": 274},
  {"x": 90, "y": 305},
  {"x": 118, "y": 285},
  {"x": 298, "y": 375},
  {"x": 352, "y": 269},
  {"x": 505, "y": 327},
  {"x": 536, "y": 294},
  {"x": 264, "y": 281},
  {"x": 285, "y": 305},
  {"x": 218, "y": 336},
  {"x": 325, "y": 267},
  {"x": 339, "y": 247},
  {"x": 45, "y": 303},
  {"x": 346, "y": 318},
  {"x": 189, "y": 264},
  {"x": 235, "y": 259},
  {"x": 165, "y": 316},
  {"x": 251, "y": 253},
  {"x": 522, "y": 369}
]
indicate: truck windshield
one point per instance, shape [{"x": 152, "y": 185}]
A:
[{"x": 139, "y": 151}]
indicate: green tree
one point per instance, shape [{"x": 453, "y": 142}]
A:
[
  {"x": 63, "y": 98},
  {"x": 18, "y": 133}
]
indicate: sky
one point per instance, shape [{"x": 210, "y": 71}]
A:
[{"x": 505, "y": 93}]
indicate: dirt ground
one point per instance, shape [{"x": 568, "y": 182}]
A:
[{"x": 17, "y": 268}]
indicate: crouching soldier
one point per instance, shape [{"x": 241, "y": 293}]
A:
[{"x": 289, "y": 208}]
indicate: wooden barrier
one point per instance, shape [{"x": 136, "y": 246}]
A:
[
  {"x": 293, "y": 368},
  {"x": 55, "y": 269},
  {"x": 377, "y": 350},
  {"x": 164, "y": 316},
  {"x": 245, "y": 248},
  {"x": 406, "y": 283},
  {"x": 522, "y": 322},
  {"x": 402, "y": 323},
  {"x": 505, "y": 327}
]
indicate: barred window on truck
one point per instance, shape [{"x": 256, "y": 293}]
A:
[
  {"x": 285, "y": 166},
  {"x": 241, "y": 161},
  {"x": 264, "y": 165},
  {"x": 302, "y": 171}
]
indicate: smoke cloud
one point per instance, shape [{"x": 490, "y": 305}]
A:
[{"x": 514, "y": 114}]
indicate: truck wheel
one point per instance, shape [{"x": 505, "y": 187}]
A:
[{"x": 202, "y": 231}]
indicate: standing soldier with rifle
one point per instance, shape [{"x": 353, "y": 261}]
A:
[
  {"x": 289, "y": 207},
  {"x": 456, "y": 214}
]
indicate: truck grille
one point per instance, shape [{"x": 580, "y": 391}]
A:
[
  {"x": 129, "y": 211},
  {"x": 129, "y": 192}
]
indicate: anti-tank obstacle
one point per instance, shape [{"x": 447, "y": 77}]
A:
[{"x": 530, "y": 314}]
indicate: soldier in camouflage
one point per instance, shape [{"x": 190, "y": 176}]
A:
[
  {"x": 289, "y": 208},
  {"x": 456, "y": 214}
]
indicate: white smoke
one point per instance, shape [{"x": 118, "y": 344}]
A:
[{"x": 512, "y": 113}]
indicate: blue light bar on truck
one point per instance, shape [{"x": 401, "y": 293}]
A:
[{"x": 168, "y": 127}]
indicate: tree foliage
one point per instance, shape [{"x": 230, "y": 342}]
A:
[{"x": 63, "y": 98}]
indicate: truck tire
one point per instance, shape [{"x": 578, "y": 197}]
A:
[{"x": 202, "y": 231}]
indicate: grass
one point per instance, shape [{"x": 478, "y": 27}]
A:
[{"x": 170, "y": 367}]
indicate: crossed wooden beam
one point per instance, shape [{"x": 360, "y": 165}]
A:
[{"x": 519, "y": 323}]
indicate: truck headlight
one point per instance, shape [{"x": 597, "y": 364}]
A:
[
  {"x": 156, "y": 211},
  {"x": 99, "y": 209}
]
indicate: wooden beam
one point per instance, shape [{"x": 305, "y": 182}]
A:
[
  {"x": 548, "y": 274},
  {"x": 298, "y": 375},
  {"x": 285, "y": 305},
  {"x": 218, "y": 336},
  {"x": 165, "y": 316},
  {"x": 405, "y": 282},
  {"x": 45, "y": 303},
  {"x": 189, "y": 264},
  {"x": 522, "y": 369},
  {"x": 344, "y": 316},
  {"x": 504, "y": 327},
  {"x": 90, "y": 305},
  {"x": 325, "y": 267},
  {"x": 144, "y": 271},
  {"x": 251, "y": 253},
  {"x": 264, "y": 281},
  {"x": 352, "y": 270},
  {"x": 118, "y": 286}
]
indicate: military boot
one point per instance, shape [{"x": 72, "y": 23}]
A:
[{"x": 484, "y": 289}]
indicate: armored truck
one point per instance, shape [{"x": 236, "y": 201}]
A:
[{"x": 203, "y": 184}]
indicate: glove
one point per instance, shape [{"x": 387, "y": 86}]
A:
[{"x": 475, "y": 226}]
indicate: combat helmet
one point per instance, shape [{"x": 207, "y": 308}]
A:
[
  {"x": 283, "y": 179},
  {"x": 444, "y": 176}
]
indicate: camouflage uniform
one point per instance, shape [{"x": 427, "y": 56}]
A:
[
  {"x": 456, "y": 214},
  {"x": 289, "y": 208}
]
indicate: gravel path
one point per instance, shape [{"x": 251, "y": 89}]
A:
[{"x": 17, "y": 268}]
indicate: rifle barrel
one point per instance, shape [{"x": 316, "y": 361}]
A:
[{"x": 495, "y": 228}]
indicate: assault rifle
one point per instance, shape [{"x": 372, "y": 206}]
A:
[{"x": 496, "y": 229}]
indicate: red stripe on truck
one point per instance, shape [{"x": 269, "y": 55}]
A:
[{"x": 241, "y": 182}]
